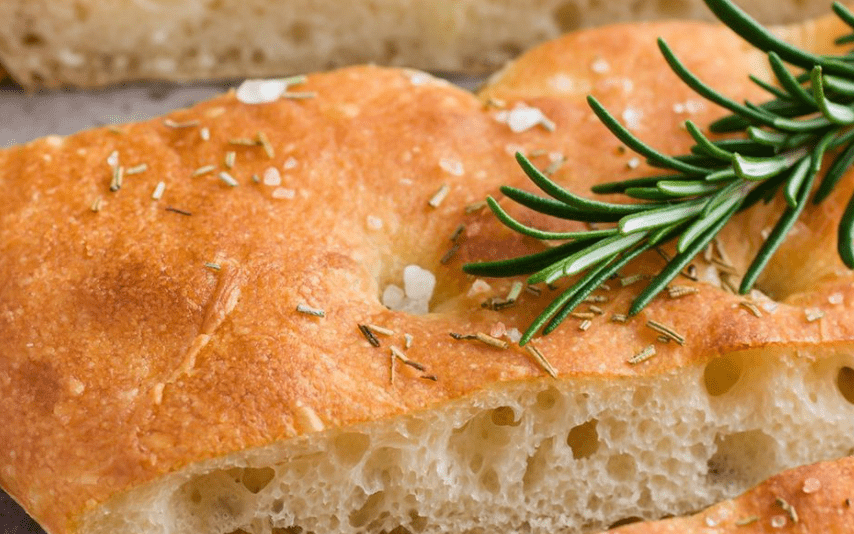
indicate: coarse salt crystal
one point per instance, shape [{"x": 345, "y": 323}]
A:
[
  {"x": 811, "y": 485},
  {"x": 419, "y": 78},
  {"x": 393, "y": 296},
  {"x": 261, "y": 91},
  {"x": 113, "y": 158},
  {"x": 497, "y": 330},
  {"x": 272, "y": 177},
  {"x": 524, "y": 118},
  {"x": 282, "y": 192},
  {"x": 600, "y": 66},
  {"x": 418, "y": 283},
  {"x": 513, "y": 335},
  {"x": 478, "y": 287},
  {"x": 452, "y": 166},
  {"x": 835, "y": 298},
  {"x": 632, "y": 117},
  {"x": 633, "y": 163},
  {"x": 290, "y": 163},
  {"x": 778, "y": 521}
]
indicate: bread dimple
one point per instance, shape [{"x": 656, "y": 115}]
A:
[{"x": 154, "y": 361}]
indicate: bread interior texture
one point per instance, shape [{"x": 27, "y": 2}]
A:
[{"x": 565, "y": 455}]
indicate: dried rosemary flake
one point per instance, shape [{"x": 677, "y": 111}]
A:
[
  {"x": 619, "y": 318},
  {"x": 643, "y": 355},
  {"x": 596, "y": 309},
  {"x": 676, "y": 292},
  {"x": 457, "y": 336},
  {"x": 747, "y": 521},
  {"x": 598, "y": 299},
  {"x": 186, "y": 124},
  {"x": 663, "y": 339},
  {"x": 496, "y": 103},
  {"x": 491, "y": 341},
  {"x": 724, "y": 267},
  {"x": 96, "y": 205},
  {"x": 158, "y": 191},
  {"x": 433, "y": 378},
  {"x": 380, "y": 330},
  {"x": 449, "y": 255},
  {"x": 212, "y": 265},
  {"x": 788, "y": 508},
  {"x": 583, "y": 315},
  {"x": 751, "y": 307},
  {"x": 540, "y": 359},
  {"x": 116, "y": 182},
  {"x": 585, "y": 325},
  {"x": 629, "y": 280},
  {"x": 728, "y": 283},
  {"x": 407, "y": 340},
  {"x": 458, "y": 232},
  {"x": 402, "y": 357},
  {"x": 136, "y": 169},
  {"x": 534, "y": 290},
  {"x": 230, "y": 156},
  {"x": 178, "y": 211},
  {"x": 605, "y": 287},
  {"x": 666, "y": 331},
  {"x": 205, "y": 134},
  {"x": 372, "y": 339},
  {"x": 256, "y": 179},
  {"x": 297, "y": 95},
  {"x": 268, "y": 147},
  {"x": 515, "y": 291},
  {"x": 475, "y": 206},
  {"x": 308, "y": 310},
  {"x": 228, "y": 179},
  {"x": 496, "y": 303},
  {"x": 391, "y": 368},
  {"x": 243, "y": 141},
  {"x": 436, "y": 200},
  {"x": 204, "y": 170},
  {"x": 813, "y": 314}
]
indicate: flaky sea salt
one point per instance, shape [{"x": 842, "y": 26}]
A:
[
  {"x": 272, "y": 177},
  {"x": 418, "y": 286},
  {"x": 632, "y": 118},
  {"x": 452, "y": 166},
  {"x": 284, "y": 193}
]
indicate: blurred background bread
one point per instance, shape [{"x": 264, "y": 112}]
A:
[{"x": 98, "y": 42}]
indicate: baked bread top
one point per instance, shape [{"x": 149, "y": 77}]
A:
[{"x": 142, "y": 335}]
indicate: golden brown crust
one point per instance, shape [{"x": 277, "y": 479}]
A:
[
  {"x": 805, "y": 500},
  {"x": 124, "y": 357}
]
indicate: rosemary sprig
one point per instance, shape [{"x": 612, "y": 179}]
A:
[{"x": 785, "y": 142}]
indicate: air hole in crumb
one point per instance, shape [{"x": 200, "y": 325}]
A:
[
  {"x": 258, "y": 56},
  {"x": 278, "y": 506},
  {"x": 742, "y": 459},
  {"x": 255, "y": 479},
  {"x": 583, "y": 439},
  {"x": 568, "y": 16},
  {"x": 845, "y": 383},
  {"x": 476, "y": 462},
  {"x": 536, "y": 467},
  {"x": 32, "y": 39},
  {"x": 504, "y": 416},
  {"x": 625, "y": 521},
  {"x": 547, "y": 398},
  {"x": 350, "y": 447},
  {"x": 196, "y": 497},
  {"x": 368, "y": 511},
  {"x": 299, "y": 33},
  {"x": 489, "y": 480},
  {"x": 622, "y": 467},
  {"x": 287, "y": 530},
  {"x": 722, "y": 374}
]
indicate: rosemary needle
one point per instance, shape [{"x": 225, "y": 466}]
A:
[{"x": 784, "y": 144}]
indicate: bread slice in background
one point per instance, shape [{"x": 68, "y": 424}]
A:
[
  {"x": 156, "y": 376},
  {"x": 92, "y": 42}
]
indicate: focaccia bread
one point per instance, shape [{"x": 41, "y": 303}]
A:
[
  {"x": 98, "y": 42},
  {"x": 181, "y": 301}
]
